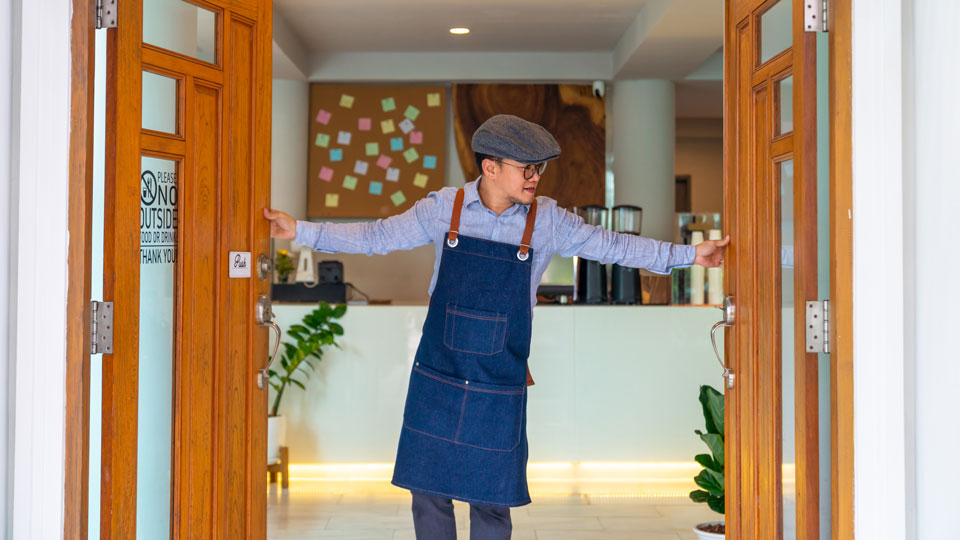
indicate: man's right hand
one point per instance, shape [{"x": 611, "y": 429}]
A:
[{"x": 281, "y": 225}]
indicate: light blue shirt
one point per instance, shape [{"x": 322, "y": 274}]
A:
[{"x": 557, "y": 231}]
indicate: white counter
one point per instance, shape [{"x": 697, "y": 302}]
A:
[{"x": 613, "y": 383}]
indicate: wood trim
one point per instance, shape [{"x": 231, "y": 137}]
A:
[
  {"x": 806, "y": 365},
  {"x": 77, "y": 430},
  {"x": 841, "y": 270},
  {"x": 121, "y": 275}
]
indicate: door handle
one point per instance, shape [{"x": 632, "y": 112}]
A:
[
  {"x": 729, "y": 318},
  {"x": 264, "y": 317}
]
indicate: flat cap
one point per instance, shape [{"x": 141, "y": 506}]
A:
[{"x": 511, "y": 137}]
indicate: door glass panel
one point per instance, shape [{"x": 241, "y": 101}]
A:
[
  {"x": 784, "y": 91},
  {"x": 785, "y": 174},
  {"x": 181, "y": 27},
  {"x": 159, "y": 103},
  {"x": 776, "y": 25},
  {"x": 158, "y": 254}
]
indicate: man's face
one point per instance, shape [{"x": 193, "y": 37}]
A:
[{"x": 508, "y": 178}]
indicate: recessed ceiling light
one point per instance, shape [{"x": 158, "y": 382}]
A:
[{"x": 459, "y": 30}]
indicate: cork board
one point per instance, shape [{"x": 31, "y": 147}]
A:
[
  {"x": 374, "y": 149},
  {"x": 574, "y": 116}
]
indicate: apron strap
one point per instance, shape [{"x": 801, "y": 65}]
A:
[
  {"x": 455, "y": 219},
  {"x": 528, "y": 230}
]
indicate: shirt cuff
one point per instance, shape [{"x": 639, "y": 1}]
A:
[{"x": 307, "y": 234}]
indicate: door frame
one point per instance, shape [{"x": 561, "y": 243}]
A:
[{"x": 82, "y": 54}]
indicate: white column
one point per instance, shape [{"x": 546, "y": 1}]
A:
[{"x": 644, "y": 126}]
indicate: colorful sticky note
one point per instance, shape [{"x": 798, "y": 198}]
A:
[
  {"x": 326, "y": 174},
  {"x": 387, "y": 126},
  {"x": 332, "y": 200},
  {"x": 416, "y": 137},
  {"x": 349, "y": 182},
  {"x": 412, "y": 112},
  {"x": 398, "y": 198},
  {"x": 344, "y": 138},
  {"x": 323, "y": 116},
  {"x": 373, "y": 148},
  {"x": 336, "y": 154},
  {"x": 411, "y": 155},
  {"x": 384, "y": 162},
  {"x": 396, "y": 144},
  {"x": 429, "y": 162},
  {"x": 363, "y": 124},
  {"x": 420, "y": 180},
  {"x": 361, "y": 167},
  {"x": 388, "y": 104},
  {"x": 393, "y": 174},
  {"x": 376, "y": 188},
  {"x": 406, "y": 126},
  {"x": 433, "y": 99},
  {"x": 322, "y": 140},
  {"x": 346, "y": 101}
]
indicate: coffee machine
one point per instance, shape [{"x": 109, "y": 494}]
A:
[
  {"x": 624, "y": 281},
  {"x": 591, "y": 275}
]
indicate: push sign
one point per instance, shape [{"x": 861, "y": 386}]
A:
[{"x": 239, "y": 264}]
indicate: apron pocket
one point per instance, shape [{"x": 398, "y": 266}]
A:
[
  {"x": 474, "y": 331},
  {"x": 492, "y": 417},
  {"x": 434, "y": 404}
]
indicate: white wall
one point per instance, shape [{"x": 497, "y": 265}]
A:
[
  {"x": 40, "y": 136},
  {"x": 931, "y": 206},
  {"x": 288, "y": 155}
]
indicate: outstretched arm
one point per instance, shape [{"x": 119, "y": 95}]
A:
[
  {"x": 574, "y": 237},
  {"x": 403, "y": 231}
]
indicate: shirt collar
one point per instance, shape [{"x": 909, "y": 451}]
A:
[{"x": 471, "y": 195}]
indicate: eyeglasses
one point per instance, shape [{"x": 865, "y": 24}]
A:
[{"x": 528, "y": 170}]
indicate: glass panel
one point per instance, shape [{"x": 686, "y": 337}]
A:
[
  {"x": 181, "y": 27},
  {"x": 158, "y": 254},
  {"x": 785, "y": 173},
  {"x": 785, "y": 105},
  {"x": 159, "y": 103},
  {"x": 776, "y": 30}
]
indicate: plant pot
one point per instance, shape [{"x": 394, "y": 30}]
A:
[
  {"x": 704, "y": 535},
  {"x": 276, "y": 437}
]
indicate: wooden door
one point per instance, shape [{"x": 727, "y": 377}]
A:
[
  {"x": 770, "y": 210},
  {"x": 187, "y": 170}
]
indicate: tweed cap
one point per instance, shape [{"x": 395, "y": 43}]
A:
[{"x": 511, "y": 137}]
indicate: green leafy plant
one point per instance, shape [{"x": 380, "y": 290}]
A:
[
  {"x": 299, "y": 359},
  {"x": 711, "y": 478},
  {"x": 284, "y": 265}
]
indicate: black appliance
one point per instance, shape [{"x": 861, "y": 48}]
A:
[
  {"x": 591, "y": 275},
  {"x": 625, "y": 281}
]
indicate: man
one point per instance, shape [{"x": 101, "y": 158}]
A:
[{"x": 464, "y": 424}]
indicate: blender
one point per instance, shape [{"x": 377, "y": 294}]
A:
[{"x": 591, "y": 277}]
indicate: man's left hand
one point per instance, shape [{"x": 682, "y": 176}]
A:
[{"x": 710, "y": 252}]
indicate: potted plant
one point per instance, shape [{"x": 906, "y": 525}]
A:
[
  {"x": 711, "y": 478},
  {"x": 284, "y": 265},
  {"x": 318, "y": 330}
]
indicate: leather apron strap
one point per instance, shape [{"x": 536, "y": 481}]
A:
[{"x": 524, "y": 241}]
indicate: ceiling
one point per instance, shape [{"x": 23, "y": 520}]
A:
[
  {"x": 534, "y": 40},
  {"x": 330, "y": 26}
]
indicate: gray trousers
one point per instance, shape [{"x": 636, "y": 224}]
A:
[{"x": 433, "y": 520}]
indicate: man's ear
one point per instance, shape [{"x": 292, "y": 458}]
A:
[{"x": 489, "y": 168}]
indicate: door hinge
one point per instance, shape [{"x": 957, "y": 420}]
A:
[
  {"x": 101, "y": 327},
  {"x": 818, "y": 327},
  {"x": 106, "y": 14},
  {"x": 815, "y": 15}
]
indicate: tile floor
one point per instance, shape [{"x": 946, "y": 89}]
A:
[{"x": 323, "y": 510}]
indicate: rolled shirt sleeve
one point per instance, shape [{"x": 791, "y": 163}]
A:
[
  {"x": 402, "y": 231},
  {"x": 574, "y": 237}
]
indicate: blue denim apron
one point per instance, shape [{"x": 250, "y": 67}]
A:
[{"x": 464, "y": 424}]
